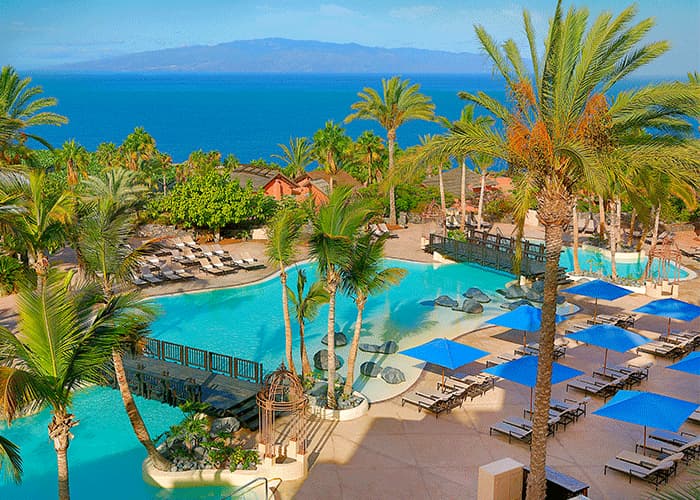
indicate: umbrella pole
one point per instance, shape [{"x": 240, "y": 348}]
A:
[
  {"x": 595, "y": 309},
  {"x": 524, "y": 339},
  {"x": 605, "y": 361},
  {"x": 443, "y": 378},
  {"x": 531, "y": 415},
  {"x": 645, "y": 441},
  {"x": 668, "y": 330}
]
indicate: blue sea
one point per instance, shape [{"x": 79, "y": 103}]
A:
[{"x": 247, "y": 115}]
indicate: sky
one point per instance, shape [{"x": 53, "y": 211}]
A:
[{"x": 41, "y": 33}]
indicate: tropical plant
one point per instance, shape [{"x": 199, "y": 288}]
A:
[
  {"x": 399, "y": 102},
  {"x": 198, "y": 163},
  {"x": 74, "y": 158},
  {"x": 306, "y": 306},
  {"x": 21, "y": 107},
  {"x": 10, "y": 460},
  {"x": 10, "y": 273},
  {"x": 335, "y": 228},
  {"x": 437, "y": 165},
  {"x": 370, "y": 156},
  {"x": 329, "y": 147},
  {"x": 688, "y": 490},
  {"x": 365, "y": 275},
  {"x": 64, "y": 341},
  {"x": 283, "y": 233},
  {"x": 560, "y": 129},
  {"x": 296, "y": 157},
  {"x": 138, "y": 147}
]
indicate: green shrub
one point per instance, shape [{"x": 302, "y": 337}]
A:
[{"x": 10, "y": 273}]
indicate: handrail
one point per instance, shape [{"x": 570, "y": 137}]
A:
[{"x": 251, "y": 485}]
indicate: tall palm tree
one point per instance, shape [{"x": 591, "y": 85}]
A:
[
  {"x": 10, "y": 460},
  {"x": 335, "y": 228},
  {"x": 74, "y": 158},
  {"x": 296, "y": 157},
  {"x": 21, "y": 107},
  {"x": 370, "y": 150},
  {"x": 64, "y": 341},
  {"x": 398, "y": 103},
  {"x": 329, "y": 147},
  {"x": 283, "y": 233},
  {"x": 560, "y": 129},
  {"x": 306, "y": 306},
  {"x": 364, "y": 276}
]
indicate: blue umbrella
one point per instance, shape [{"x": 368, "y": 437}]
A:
[
  {"x": 523, "y": 371},
  {"x": 609, "y": 337},
  {"x": 689, "y": 364},
  {"x": 525, "y": 318},
  {"x": 648, "y": 409},
  {"x": 598, "y": 289},
  {"x": 445, "y": 353},
  {"x": 671, "y": 309}
]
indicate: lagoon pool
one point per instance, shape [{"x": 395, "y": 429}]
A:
[{"x": 592, "y": 261}]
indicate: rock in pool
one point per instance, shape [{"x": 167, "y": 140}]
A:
[
  {"x": 512, "y": 292},
  {"x": 533, "y": 296},
  {"x": 470, "y": 306},
  {"x": 514, "y": 305},
  {"x": 445, "y": 301},
  {"x": 538, "y": 286},
  {"x": 370, "y": 369},
  {"x": 340, "y": 339},
  {"x": 393, "y": 375},
  {"x": 478, "y": 295},
  {"x": 321, "y": 360},
  {"x": 388, "y": 347}
]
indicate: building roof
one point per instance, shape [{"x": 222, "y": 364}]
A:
[
  {"x": 321, "y": 179},
  {"x": 259, "y": 177}
]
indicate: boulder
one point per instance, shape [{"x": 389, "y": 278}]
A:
[
  {"x": 370, "y": 369},
  {"x": 369, "y": 347},
  {"x": 445, "y": 301},
  {"x": 226, "y": 424},
  {"x": 538, "y": 286},
  {"x": 478, "y": 295},
  {"x": 561, "y": 299},
  {"x": 388, "y": 347},
  {"x": 340, "y": 339},
  {"x": 393, "y": 375},
  {"x": 512, "y": 292},
  {"x": 321, "y": 360},
  {"x": 533, "y": 296},
  {"x": 470, "y": 306},
  {"x": 514, "y": 305}
]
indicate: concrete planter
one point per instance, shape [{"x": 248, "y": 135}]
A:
[{"x": 340, "y": 415}]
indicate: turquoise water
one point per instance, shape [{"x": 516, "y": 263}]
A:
[
  {"x": 104, "y": 458},
  {"x": 595, "y": 262},
  {"x": 247, "y": 321}
]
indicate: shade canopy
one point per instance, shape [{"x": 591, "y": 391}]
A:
[
  {"x": 671, "y": 309},
  {"x": 523, "y": 371},
  {"x": 445, "y": 353},
  {"x": 609, "y": 337},
  {"x": 648, "y": 409},
  {"x": 598, "y": 289},
  {"x": 689, "y": 364},
  {"x": 527, "y": 318}
]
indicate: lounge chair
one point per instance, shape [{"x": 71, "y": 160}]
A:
[
  {"x": 178, "y": 243},
  {"x": 656, "y": 474},
  {"x": 512, "y": 431},
  {"x": 695, "y": 416},
  {"x": 526, "y": 424},
  {"x": 470, "y": 390},
  {"x": 610, "y": 373},
  {"x": 638, "y": 372},
  {"x": 649, "y": 462},
  {"x": 451, "y": 399},
  {"x": 236, "y": 259},
  {"x": 209, "y": 268},
  {"x": 385, "y": 230},
  {"x": 690, "y": 450},
  {"x": 147, "y": 275},
  {"x": 661, "y": 349},
  {"x": 206, "y": 250},
  {"x": 138, "y": 281},
  {"x": 187, "y": 240},
  {"x": 180, "y": 271},
  {"x": 424, "y": 403},
  {"x": 595, "y": 388},
  {"x": 675, "y": 438},
  {"x": 190, "y": 256},
  {"x": 573, "y": 407},
  {"x": 252, "y": 260},
  {"x": 220, "y": 251},
  {"x": 216, "y": 261},
  {"x": 169, "y": 274}
]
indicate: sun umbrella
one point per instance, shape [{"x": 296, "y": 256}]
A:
[
  {"x": 689, "y": 364},
  {"x": 609, "y": 337},
  {"x": 445, "y": 353},
  {"x": 671, "y": 309},
  {"x": 525, "y": 318},
  {"x": 648, "y": 409},
  {"x": 523, "y": 371},
  {"x": 598, "y": 289}
]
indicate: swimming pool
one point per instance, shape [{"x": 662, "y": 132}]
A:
[{"x": 596, "y": 262}]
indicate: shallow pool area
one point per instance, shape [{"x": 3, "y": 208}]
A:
[
  {"x": 247, "y": 321},
  {"x": 596, "y": 262}
]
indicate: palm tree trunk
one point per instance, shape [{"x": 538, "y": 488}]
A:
[
  {"x": 612, "y": 237},
  {"x": 60, "y": 434},
  {"x": 601, "y": 213},
  {"x": 330, "y": 393},
  {"x": 391, "y": 137},
  {"x": 443, "y": 206},
  {"x": 305, "y": 365},
  {"x": 553, "y": 214},
  {"x": 287, "y": 322},
  {"x": 480, "y": 213},
  {"x": 633, "y": 222},
  {"x": 654, "y": 237},
  {"x": 577, "y": 266},
  {"x": 158, "y": 460},
  {"x": 463, "y": 196},
  {"x": 354, "y": 345}
]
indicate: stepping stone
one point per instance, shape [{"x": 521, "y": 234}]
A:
[
  {"x": 369, "y": 347},
  {"x": 470, "y": 306},
  {"x": 512, "y": 292},
  {"x": 478, "y": 295},
  {"x": 534, "y": 296},
  {"x": 514, "y": 305},
  {"x": 445, "y": 301},
  {"x": 370, "y": 369},
  {"x": 340, "y": 339},
  {"x": 388, "y": 347},
  {"x": 321, "y": 360},
  {"x": 393, "y": 375}
]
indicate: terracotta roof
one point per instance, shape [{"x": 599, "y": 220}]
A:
[
  {"x": 259, "y": 177},
  {"x": 342, "y": 178}
]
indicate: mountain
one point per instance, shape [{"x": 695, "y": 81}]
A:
[{"x": 279, "y": 55}]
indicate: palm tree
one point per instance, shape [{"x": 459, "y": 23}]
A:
[
  {"x": 64, "y": 341},
  {"x": 399, "y": 102},
  {"x": 75, "y": 158},
  {"x": 335, "y": 228},
  {"x": 437, "y": 165},
  {"x": 10, "y": 460},
  {"x": 330, "y": 144},
  {"x": 283, "y": 233},
  {"x": 296, "y": 157},
  {"x": 370, "y": 150},
  {"x": 364, "y": 276},
  {"x": 22, "y": 108},
  {"x": 306, "y": 308},
  {"x": 138, "y": 147},
  {"x": 560, "y": 129}
]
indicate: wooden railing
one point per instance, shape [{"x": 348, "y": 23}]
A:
[
  {"x": 492, "y": 250},
  {"x": 213, "y": 362}
]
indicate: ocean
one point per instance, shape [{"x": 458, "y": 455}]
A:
[{"x": 244, "y": 114}]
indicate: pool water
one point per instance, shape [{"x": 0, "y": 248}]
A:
[
  {"x": 104, "y": 458},
  {"x": 595, "y": 262}
]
